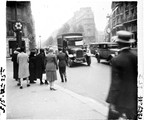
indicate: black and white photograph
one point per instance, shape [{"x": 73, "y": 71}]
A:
[{"x": 72, "y": 60}]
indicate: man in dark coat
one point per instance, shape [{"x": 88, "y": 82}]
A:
[
  {"x": 32, "y": 67},
  {"x": 62, "y": 65},
  {"x": 40, "y": 65},
  {"x": 15, "y": 64},
  {"x": 123, "y": 90}
]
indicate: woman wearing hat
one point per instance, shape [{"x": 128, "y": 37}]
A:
[
  {"x": 51, "y": 67},
  {"x": 122, "y": 95}
]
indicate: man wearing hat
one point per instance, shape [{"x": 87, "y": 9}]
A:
[{"x": 122, "y": 95}]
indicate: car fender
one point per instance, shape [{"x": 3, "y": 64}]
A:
[{"x": 70, "y": 55}]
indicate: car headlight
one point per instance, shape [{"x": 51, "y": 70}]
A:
[{"x": 74, "y": 54}]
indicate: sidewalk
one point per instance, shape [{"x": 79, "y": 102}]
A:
[{"x": 38, "y": 102}]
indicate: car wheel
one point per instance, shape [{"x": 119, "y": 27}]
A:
[
  {"x": 110, "y": 61},
  {"x": 98, "y": 59}
]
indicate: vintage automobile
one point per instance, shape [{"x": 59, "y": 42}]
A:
[
  {"x": 73, "y": 45},
  {"x": 93, "y": 47},
  {"x": 106, "y": 51}
]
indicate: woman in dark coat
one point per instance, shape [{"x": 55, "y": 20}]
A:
[
  {"x": 40, "y": 65},
  {"x": 51, "y": 67},
  {"x": 32, "y": 67},
  {"x": 15, "y": 63}
]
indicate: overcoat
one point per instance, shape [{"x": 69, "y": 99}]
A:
[
  {"x": 51, "y": 66},
  {"x": 123, "y": 89},
  {"x": 15, "y": 64},
  {"x": 51, "y": 62},
  {"x": 40, "y": 65},
  {"x": 23, "y": 60},
  {"x": 32, "y": 68}
]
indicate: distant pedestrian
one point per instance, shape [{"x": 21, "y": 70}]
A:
[
  {"x": 40, "y": 65},
  {"x": 123, "y": 90},
  {"x": 15, "y": 64},
  {"x": 62, "y": 65},
  {"x": 32, "y": 67},
  {"x": 51, "y": 67},
  {"x": 23, "y": 71}
]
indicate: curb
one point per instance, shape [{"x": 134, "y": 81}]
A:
[{"x": 100, "y": 108}]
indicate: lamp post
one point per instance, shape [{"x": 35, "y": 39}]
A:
[
  {"x": 40, "y": 41},
  {"x": 18, "y": 30},
  {"x": 17, "y": 27}
]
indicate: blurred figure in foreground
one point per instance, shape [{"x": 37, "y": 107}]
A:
[
  {"x": 51, "y": 67},
  {"x": 123, "y": 90},
  {"x": 62, "y": 65}
]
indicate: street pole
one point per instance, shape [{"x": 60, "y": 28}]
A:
[
  {"x": 18, "y": 29},
  {"x": 40, "y": 41}
]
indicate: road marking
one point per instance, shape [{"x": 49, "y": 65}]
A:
[{"x": 100, "y": 108}]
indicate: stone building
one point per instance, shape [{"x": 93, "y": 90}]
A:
[
  {"x": 83, "y": 20},
  {"x": 123, "y": 17},
  {"x": 19, "y": 11}
]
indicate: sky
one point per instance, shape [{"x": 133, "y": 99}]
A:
[{"x": 50, "y": 15}]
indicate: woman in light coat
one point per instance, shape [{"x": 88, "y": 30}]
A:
[
  {"x": 23, "y": 72},
  {"x": 51, "y": 67}
]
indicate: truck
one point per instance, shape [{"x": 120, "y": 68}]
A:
[{"x": 73, "y": 45}]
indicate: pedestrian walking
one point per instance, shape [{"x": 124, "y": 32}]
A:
[
  {"x": 51, "y": 67},
  {"x": 32, "y": 67},
  {"x": 15, "y": 64},
  {"x": 62, "y": 65},
  {"x": 23, "y": 71},
  {"x": 122, "y": 95},
  {"x": 40, "y": 65}
]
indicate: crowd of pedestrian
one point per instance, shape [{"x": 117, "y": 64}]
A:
[
  {"x": 32, "y": 67},
  {"x": 122, "y": 95}
]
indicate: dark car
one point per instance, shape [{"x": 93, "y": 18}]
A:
[{"x": 106, "y": 51}]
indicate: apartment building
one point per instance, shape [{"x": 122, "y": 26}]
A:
[{"x": 84, "y": 18}]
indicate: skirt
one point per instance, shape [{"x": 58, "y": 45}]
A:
[{"x": 51, "y": 76}]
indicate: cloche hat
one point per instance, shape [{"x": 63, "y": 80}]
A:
[
  {"x": 124, "y": 37},
  {"x": 51, "y": 49}
]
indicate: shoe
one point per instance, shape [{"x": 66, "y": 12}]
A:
[
  {"x": 62, "y": 81},
  {"x": 18, "y": 84},
  {"x": 46, "y": 82},
  {"x": 28, "y": 85},
  {"x": 41, "y": 83},
  {"x": 21, "y": 87},
  {"x": 53, "y": 89}
]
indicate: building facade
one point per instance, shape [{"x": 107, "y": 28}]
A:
[
  {"x": 19, "y": 11},
  {"x": 84, "y": 21},
  {"x": 123, "y": 17}
]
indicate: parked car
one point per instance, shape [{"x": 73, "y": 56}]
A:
[{"x": 106, "y": 51}]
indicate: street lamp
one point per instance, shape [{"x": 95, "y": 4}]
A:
[
  {"x": 39, "y": 43},
  {"x": 18, "y": 30}
]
